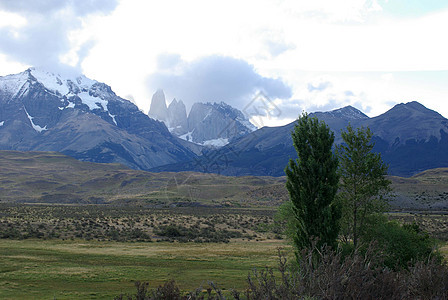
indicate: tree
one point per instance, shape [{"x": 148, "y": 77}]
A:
[
  {"x": 312, "y": 183},
  {"x": 363, "y": 183}
]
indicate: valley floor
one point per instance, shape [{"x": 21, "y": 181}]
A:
[
  {"x": 99, "y": 251},
  {"x": 79, "y": 269}
]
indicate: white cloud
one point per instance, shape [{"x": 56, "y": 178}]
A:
[
  {"x": 298, "y": 41},
  {"x": 45, "y": 36},
  {"x": 214, "y": 79}
]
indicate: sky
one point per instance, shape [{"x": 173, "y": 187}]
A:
[{"x": 301, "y": 55}]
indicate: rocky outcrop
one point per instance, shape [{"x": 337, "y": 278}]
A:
[
  {"x": 177, "y": 118},
  {"x": 158, "y": 109}
]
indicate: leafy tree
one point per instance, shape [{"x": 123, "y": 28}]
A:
[
  {"x": 312, "y": 183},
  {"x": 363, "y": 183}
]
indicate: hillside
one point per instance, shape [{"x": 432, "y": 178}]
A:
[{"x": 50, "y": 177}]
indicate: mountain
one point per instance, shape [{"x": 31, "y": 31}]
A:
[
  {"x": 83, "y": 118},
  {"x": 215, "y": 124},
  {"x": 207, "y": 124},
  {"x": 410, "y": 137}
]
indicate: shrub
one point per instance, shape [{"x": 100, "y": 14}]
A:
[{"x": 401, "y": 244}]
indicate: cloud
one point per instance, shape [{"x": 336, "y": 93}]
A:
[
  {"x": 49, "y": 7},
  {"x": 45, "y": 37},
  {"x": 167, "y": 61},
  {"x": 214, "y": 79},
  {"x": 276, "y": 48},
  {"x": 319, "y": 86}
]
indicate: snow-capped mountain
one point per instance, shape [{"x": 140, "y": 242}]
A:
[
  {"x": 207, "y": 124},
  {"x": 83, "y": 118}
]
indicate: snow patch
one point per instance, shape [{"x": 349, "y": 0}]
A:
[
  {"x": 208, "y": 114},
  {"x": 60, "y": 85},
  {"x": 51, "y": 81},
  {"x": 187, "y": 137},
  {"x": 11, "y": 84},
  {"x": 246, "y": 123},
  {"x": 36, "y": 127},
  {"x": 221, "y": 142},
  {"x": 113, "y": 118},
  {"x": 93, "y": 102},
  {"x": 69, "y": 105},
  {"x": 171, "y": 129}
]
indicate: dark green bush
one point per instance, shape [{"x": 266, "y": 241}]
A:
[{"x": 401, "y": 245}]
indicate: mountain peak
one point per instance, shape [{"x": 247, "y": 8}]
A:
[
  {"x": 91, "y": 92},
  {"x": 349, "y": 113},
  {"x": 158, "y": 108},
  {"x": 412, "y": 109},
  {"x": 62, "y": 85}
]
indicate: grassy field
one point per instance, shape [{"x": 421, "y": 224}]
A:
[{"x": 47, "y": 269}]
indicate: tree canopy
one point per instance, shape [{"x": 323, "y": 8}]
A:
[
  {"x": 312, "y": 183},
  {"x": 363, "y": 184}
]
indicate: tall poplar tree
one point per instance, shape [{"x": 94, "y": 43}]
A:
[
  {"x": 363, "y": 181},
  {"x": 312, "y": 183}
]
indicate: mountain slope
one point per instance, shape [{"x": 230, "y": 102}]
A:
[
  {"x": 83, "y": 118},
  {"x": 410, "y": 137},
  {"x": 215, "y": 124}
]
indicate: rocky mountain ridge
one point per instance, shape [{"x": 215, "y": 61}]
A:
[{"x": 410, "y": 137}]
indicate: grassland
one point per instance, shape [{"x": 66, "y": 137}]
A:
[
  {"x": 134, "y": 223},
  {"x": 79, "y": 269},
  {"x": 426, "y": 191},
  {"x": 92, "y": 251}
]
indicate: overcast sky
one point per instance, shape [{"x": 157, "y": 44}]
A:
[{"x": 303, "y": 55}]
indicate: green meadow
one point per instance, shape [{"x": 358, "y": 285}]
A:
[{"x": 79, "y": 269}]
